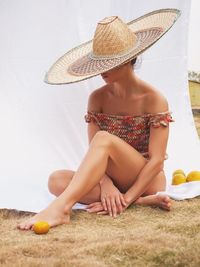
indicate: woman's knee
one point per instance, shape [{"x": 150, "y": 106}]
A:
[
  {"x": 59, "y": 180},
  {"x": 102, "y": 139},
  {"x": 53, "y": 182}
]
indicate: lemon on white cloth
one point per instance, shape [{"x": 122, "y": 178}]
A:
[{"x": 193, "y": 176}]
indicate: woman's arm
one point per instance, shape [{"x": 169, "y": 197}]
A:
[
  {"x": 157, "y": 151},
  {"x": 94, "y": 105}
]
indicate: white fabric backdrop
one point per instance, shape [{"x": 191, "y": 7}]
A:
[{"x": 42, "y": 126}]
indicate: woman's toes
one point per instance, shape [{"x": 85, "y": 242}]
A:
[
  {"x": 167, "y": 205},
  {"x": 24, "y": 226},
  {"x": 20, "y": 226},
  {"x": 167, "y": 199},
  {"x": 27, "y": 227}
]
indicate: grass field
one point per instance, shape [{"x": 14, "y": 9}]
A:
[{"x": 141, "y": 236}]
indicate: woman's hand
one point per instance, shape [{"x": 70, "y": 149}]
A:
[
  {"x": 96, "y": 207},
  {"x": 112, "y": 200}
]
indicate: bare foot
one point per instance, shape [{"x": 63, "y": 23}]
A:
[
  {"x": 161, "y": 201},
  {"x": 53, "y": 214}
]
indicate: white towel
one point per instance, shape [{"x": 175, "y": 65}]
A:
[{"x": 182, "y": 191}]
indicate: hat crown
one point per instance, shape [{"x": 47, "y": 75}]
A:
[{"x": 112, "y": 37}]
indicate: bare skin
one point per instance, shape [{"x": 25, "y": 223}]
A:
[
  {"x": 135, "y": 180},
  {"x": 60, "y": 179}
]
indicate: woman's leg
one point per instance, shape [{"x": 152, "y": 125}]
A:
[
  {"x": 59, "y": 181},
  {"x": 150, "y": 199},
  {"x": 105, "y": 150}
]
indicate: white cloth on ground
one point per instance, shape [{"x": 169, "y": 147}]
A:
[{"x": 182, "y": 191}]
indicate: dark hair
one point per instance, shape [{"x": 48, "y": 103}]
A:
[
  {"x": 136, "y": 62},
  {"x": 133, "y": 61}
]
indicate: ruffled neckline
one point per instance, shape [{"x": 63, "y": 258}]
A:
[{"x": 130, "y": 116}]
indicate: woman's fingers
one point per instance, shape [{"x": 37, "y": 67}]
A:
[
  {"x": 103, "y": 201},
  {"x": 114, "y": 208},
  {"x": 102, "y": 212},
  {"x": 95, "y": 208},
  {"x": 92, "y": 205},
  {"x": 123, "y": 200},
  {"x": 114, "y": 205},
  {"x": 119, "y": 205},
  {"x": 109, "y": 206}
]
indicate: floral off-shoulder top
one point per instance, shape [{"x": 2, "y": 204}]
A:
[{"x": 135, "y": 130}]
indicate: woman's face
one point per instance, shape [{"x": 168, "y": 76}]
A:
[{"x": 116, "y": 74}]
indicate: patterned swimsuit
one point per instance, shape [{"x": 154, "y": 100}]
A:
[{"x": 135, "y": 130}]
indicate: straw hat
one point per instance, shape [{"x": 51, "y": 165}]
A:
[{"x": 114, "y": 44}]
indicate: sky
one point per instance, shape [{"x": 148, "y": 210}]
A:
[{"x": 194, "y": 37}]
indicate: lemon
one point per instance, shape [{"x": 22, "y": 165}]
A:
[
  {"x": 193, "y": 176},
  {"x": 178, "y": 178},
  {"x": 41, "y": 227},
  {"x": 178, "y": 172}
]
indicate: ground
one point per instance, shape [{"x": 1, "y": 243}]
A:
[{"x": 141, "y": 236}]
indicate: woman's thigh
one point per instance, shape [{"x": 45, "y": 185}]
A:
[
  {"x": 124, "y": 163},
  {"x": 59, "y": 181}
]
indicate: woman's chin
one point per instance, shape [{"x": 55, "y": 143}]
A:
[{"x": 107, "y": 81}]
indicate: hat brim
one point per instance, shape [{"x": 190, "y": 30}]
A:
[{"x": 148, "y": 29}]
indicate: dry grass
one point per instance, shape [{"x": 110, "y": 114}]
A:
[{"x": 141, "y": 236}]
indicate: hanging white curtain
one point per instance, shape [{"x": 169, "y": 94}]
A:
[{"x": 42, "y": 127}]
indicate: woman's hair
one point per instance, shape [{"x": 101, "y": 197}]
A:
[
  {"x": 133, "y": 61},
  {"x": 136, "y": 62}
]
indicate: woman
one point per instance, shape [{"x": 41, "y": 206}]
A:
[{"x": 127, "y": 128}]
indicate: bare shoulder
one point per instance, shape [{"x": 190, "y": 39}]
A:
[
  {"x": 95, "y": 100},
  {"x": 154, "y": 100}
]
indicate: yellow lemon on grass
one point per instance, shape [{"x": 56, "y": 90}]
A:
[
  {"x": 178, "y": 172},
  {"x": 178, "y": 178},
  {"x": 193, "y": 176},
  {"x": 41, "y": 227}
]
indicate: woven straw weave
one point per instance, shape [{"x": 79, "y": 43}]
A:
[
  {"x": 112, "y": 37},
  {"x": 80, "y": 63}
]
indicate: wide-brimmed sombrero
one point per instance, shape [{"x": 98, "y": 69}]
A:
[{"x": 114, "y": 44}]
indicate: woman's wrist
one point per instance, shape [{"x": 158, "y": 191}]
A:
[
  {"x": 129, "y": 200},
  {"x": 105, "y": 179},
  {"x": 101, "y": 182}
]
